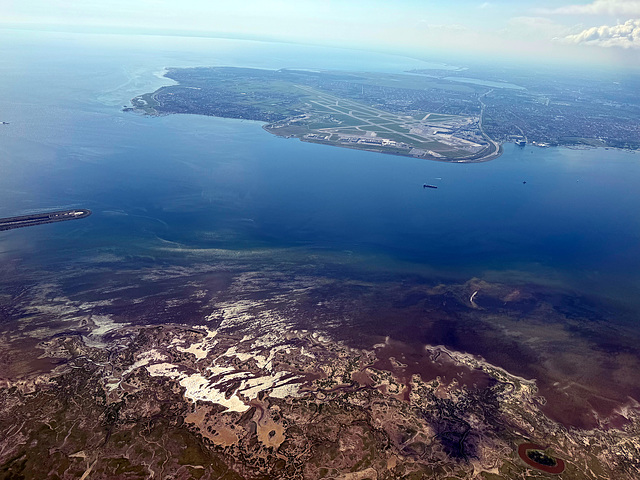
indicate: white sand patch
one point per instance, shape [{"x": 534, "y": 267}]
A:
[
  {"x": 235, "y": 376},
  {"x": 90, "y": 305},
  {"x": 198, "y": 387},
  {"x": 254, "y": 377},
  {"x": 201, "y": 349},
  {"x": 212, "y": 388},
  {"x": 287, "y": 390},
  {"x": 268, "y": 340},
  {"x": 243, "y": 313},
  {"x": 143, "y": 360},
  {"x": 252, "y": 387},
  {"x": 103, "y": 324},
  {"x": 55, "y": 309},
  {"x": 268, "y": 365},
  {"x": 321, "y": 338},
  {"x": 163, "y": 369},
  {"x": 242, "y": 356},
  {"x": 304, "y": 353},
  {"x": 262, "y": 362},
  {"x": 217, "y": 371},
  {"x": 236, "y": 313}
]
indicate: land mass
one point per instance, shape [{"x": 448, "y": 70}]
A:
[
  {"x": 453, "y": 116},
  {"x": 42, "y": 218},
  {"x": 228, "y": 370},
  {"x": 332, "y": 108},
  {"x": 549, "y": 107}
]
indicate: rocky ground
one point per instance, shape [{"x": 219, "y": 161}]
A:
[{"x": 250, "y": 392}]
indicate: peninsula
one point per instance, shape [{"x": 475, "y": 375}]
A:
[
  {"x": 365, "y": 111},
  {"x": 41, "y": 218}
]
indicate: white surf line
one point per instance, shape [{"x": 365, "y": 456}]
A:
[{"x": 474, "y": 304}]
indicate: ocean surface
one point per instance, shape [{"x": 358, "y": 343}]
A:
[{"x": 194, "y": 182}]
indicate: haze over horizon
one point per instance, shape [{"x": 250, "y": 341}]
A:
[{"x": 591, "y": 32}]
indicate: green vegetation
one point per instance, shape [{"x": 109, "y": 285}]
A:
[{"x": 333, "y": 108}]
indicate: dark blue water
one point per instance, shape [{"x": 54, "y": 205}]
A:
[{"x": 156, "y": 184}]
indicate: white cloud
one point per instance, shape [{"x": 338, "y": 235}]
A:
[
  {"x": 626, "y": 35},
  {"x": 628, "y": 8},
  {"x": 454, "y": 27},
  {"x": 536, "y": 27},
  {"x": 539, "y": 31}
]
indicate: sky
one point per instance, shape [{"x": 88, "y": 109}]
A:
[{"x": 558, "y": 30}]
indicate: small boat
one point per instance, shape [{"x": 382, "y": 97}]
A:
[{"x": 428, "y": 186}]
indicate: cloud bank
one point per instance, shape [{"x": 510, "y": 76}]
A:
[
  {"x": 626, "y": 35},
  {"x": 626, "y": 8}
]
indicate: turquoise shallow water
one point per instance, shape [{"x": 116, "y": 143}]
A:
[{"x": 200, "y": 182}]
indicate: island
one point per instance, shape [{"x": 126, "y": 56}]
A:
[
  {"x": 41, "y": 218},
  {"x": 365, "y": 111}
]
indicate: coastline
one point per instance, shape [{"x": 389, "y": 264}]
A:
[{"x": 11, "y": 223}]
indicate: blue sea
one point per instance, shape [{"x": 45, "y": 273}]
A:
[{"x": 192, "y": 182}]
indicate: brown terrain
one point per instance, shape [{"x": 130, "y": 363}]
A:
[{"x": 218, "y": 371}]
